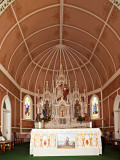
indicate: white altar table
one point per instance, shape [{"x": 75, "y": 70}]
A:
[{"x": 65, "y": 142}]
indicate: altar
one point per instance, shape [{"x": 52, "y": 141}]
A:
[{"x": 65, "y": 142}]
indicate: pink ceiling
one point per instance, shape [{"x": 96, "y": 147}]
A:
[{"x": 88, "y": 31}]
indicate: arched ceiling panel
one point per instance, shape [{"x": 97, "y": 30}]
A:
[
  {"x": 24, "y": 8},
  {"x": 32, "y": 79},
  {"x": 20, "y": 71},
  {"x": 114, "y": 20},
  {"x": 75, "y": 59},
  {"x": 15, "y": 61},
  {"x": 39, "y": 82},
  {"x": 80, "y": 80},
  {"x": 27, "y": 75},
  {"x": 41, "y": 37},
  {"x": 78, "y": 47},
  {"x": 102, "y": 54},
  {"x": 90, "y": 85},
  {"x": 69, "y": 66},
  {"x": 7, "y": 20},
  {"x": 73, "y": 34},
  {"x": 113, "y": 45},
  {"x": 43, "y": 47},
  {"x": 12, "y": 41},
  {"x": 95, "y": 77},
  {"x": 99, "y": 69},
  {"x": 53, "y": 61},
  {"x": 39, "y": 21},
  {"x": 79, "y": 19},
  {"x": 99, "y": 8}
]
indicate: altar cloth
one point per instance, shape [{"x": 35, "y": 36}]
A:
[{"x": 65, "y": 142}]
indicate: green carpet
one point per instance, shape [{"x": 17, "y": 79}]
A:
[{"x": 21, "y": 152}]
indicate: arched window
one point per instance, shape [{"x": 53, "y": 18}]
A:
[
  {"x": 28, "y": 107},
  {"x": 94, "y": 105}
]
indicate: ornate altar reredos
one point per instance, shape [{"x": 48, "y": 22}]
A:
[{"x": 63, "y": 105}]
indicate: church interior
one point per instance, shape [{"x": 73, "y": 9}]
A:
[{"x": 60, "y": 78}]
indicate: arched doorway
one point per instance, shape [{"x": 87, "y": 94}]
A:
[
  {"x": 117, "y": 117},
  {"x": 6, "y": 117}
]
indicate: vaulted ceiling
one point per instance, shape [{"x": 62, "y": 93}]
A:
[{"x": 36, "y": 34}]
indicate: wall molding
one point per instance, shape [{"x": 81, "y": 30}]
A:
[
  {"x": 9, "y": 92},
  {"x": 9, "y": 76}
]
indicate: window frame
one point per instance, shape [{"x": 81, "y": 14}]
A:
[
  {"x": 91, "y": 112},
  {"x": 31, "y": 108}
]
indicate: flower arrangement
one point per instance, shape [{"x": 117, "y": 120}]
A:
[
  {"x": 46, "y": 119},
  {"x": 80, "y": 119}
]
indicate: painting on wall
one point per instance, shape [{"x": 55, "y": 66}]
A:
[{"x": 66, "y": 140}]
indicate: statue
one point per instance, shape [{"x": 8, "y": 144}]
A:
[
  {"x": 65, "y": 92},
  {"x": 59, "y": 92},
  {"x": 77, "y": 109},
  {"x": 47, "y": 108}
]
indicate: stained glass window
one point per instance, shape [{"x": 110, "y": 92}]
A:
[
  {"x": 27, "y": 108},
  {"x": 95, "y": 107}
]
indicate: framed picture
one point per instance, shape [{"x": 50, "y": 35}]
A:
[{"x": 66, "y": 140}]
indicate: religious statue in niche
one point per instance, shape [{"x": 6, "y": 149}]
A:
[
  {"x": 77, "y": 108},
  {"x": 59, "y": 92},
  {"x": 44, "y": 111},
  {"x": 47, "y": 108},
  {"x": 65, "y": 92}
]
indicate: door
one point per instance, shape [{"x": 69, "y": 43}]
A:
[
  {"x": 117, "y": 117},
  {"x": 6, "y": 118}
]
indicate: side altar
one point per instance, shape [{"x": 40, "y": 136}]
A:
[
  {"x": 65, "y": 142},
  {"x": 63, "y": 104}
]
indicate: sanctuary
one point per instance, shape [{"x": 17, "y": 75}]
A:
[{"x": 62, "y": 105}]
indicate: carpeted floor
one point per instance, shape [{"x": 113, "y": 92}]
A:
[{"x": 21, "y": 152}]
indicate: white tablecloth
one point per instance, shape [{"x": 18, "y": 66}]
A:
[{"x": 65, "y": 142}]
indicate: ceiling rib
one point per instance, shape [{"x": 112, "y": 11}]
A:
[
  {"x": 81, "y": 9},
  {"x": 39, "y": 10},
  {"x": 13, "y": 54},
  {"x": 89, "y": 62},
  {"x": 31, "y": 61},
  {"x": 102, "y": 31},
  {"x": 21, "y": 32},
  {"x": 82, "y": 75},
  {"x": 86, "y": 58},
  {"x": 48, "y": 51},
  {"x": 61, "y": 20},
  {"x": 56, "y": 6},
  {"x": 41, "y": 69},
  {"x": 70, "y": 63},
  {"x": 52, "y": 86},
  {"x": 96, "y": 40},
  {"x": 31, "y": 52},
  {"x": 43, "y": 29},
  {"x": 82, "y": 63},
  {"x": 55, "y": 51},
  {"x": 65, "y": 65},
  {"x": 93, "y": 37}
]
